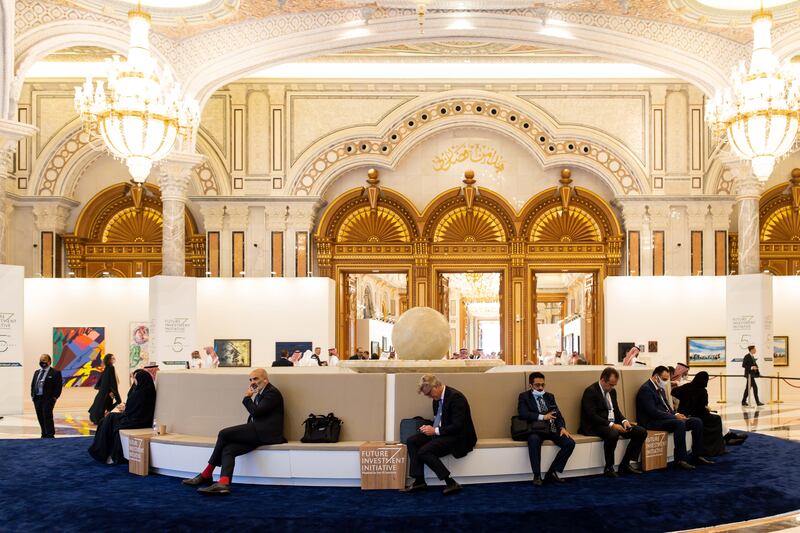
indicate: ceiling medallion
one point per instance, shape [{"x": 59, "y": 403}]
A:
[{"x": 732, "y": 13}]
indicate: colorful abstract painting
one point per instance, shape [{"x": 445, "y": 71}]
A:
[
  {"x": 233, "y": 352},
  {"x": 78, "y": 354},
  {"x": 139, "y": 350}
]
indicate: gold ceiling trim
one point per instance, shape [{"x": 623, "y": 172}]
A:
[
  {"x": 381, "y": 225},
  {"x": 566, "y": 226},
  {"x": 469, "y": 225},
  {"x": 134, "y": 226},
  {"x": 782, "y": 225}
]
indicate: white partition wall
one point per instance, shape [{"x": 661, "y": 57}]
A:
[
  {"x": 665, "y": 309},
  {"x": 173, "y": 315},
  {"x": 749, "y": 322},
  {"x": 12, "y": 351},
  {"x": 266, "y": 311}
]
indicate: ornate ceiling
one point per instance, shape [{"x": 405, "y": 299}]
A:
[{"x": 182, "y": 18}]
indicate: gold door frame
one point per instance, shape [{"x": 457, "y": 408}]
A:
[{"x": 560, "y": 229}]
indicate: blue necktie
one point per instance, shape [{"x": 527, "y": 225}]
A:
[{"x": 437, "y": 421}]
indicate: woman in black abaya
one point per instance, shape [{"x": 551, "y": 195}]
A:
[
  {"x": 693, "y": 398},
  {"x": 135, "y": 413},
  {"x": 107, "y": 396}
]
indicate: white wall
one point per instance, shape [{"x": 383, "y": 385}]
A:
[
  {"x": 368, "y": 331},
  {"x": 575, "y": 327},
  {"x": 112, "y": 303},
  {"x": 266, "y": 310},
  {"x": 786, "y": 307},
  {"x": 666, "y": 309}
]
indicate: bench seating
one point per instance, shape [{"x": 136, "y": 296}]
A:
[{"x": 195, "y": 405}]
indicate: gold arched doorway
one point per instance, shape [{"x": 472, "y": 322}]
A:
[
  {"x": 561, "y": 229},
  {"x": 111, "y": 235},
  {"x": 779, "y": 218}
]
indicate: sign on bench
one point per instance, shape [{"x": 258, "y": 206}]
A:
[
  {"x": 139, "y": 455},
  {"x": 383, "y": 466},
  {"x": 654, "y": 451}
]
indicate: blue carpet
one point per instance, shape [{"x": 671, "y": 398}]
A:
[{"x": 48, "y": 485}]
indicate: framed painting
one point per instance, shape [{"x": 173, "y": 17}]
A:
[
  {"x": 374, "y": 347},
  {"x": 385, "y": 344},
  {"x": 290, "y": 347},
  {"x": 78, "y": 354},
  {"x": 139, "y": 347},
  {"x": 780, "y": 356},
  {"x": 652, "y": 346},
  {"x": 233, "y": 352},
  {"x": 705, "y": 351}
]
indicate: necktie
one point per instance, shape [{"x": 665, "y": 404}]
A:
[
  {"x": 543, "y": 410},
  {"x": 437, "y": 420},
  {"x": 610, "y": 407},
  {"x": 40, "y": 385},
  {"x": 664, "y": 399}
]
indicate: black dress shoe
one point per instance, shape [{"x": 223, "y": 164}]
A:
[
  {"x": 537, "y": 480},
  {"x": 198, "y": 480},
  {"x": 702, "y": 461},
  {"x": 217, "y": 489},
  {"x": 629, "y": 469},
  {"x": 415, "y": 487},
  {"x": 552, "y": 477},
  {"x": 745, "y": 404},
  {"x": 452, "y": 488},
  {"x": 759, "y": 404},
  {"x": 610, "y": 473},
  {"x": 683, "y": 465}
]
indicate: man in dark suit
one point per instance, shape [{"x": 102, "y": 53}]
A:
[
  {"x": 601, "y": 417},
  {"x": 452, "y": 432},
  {"x": 264, "y": 426},
  {"x": 45, "y": 390},
  {"x": 750, "y": 373},
  {"x": 654, "y": 412},
  {"x": 283, "y": 360},
  {"x": 540, "y": 407}
]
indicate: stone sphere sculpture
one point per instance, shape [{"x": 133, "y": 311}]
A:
[{"x": 421, "y": 333}]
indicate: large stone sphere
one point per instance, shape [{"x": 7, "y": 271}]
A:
[{"x": 421, "y": 333}]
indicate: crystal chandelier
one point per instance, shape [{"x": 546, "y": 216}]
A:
[
  {"x": 760, "y": 114},
  {"x": 140, "y": 114}
]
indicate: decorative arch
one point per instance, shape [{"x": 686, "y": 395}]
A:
[
  {"x": 111, "y": 235},
  {"x": 779, "y": 231},
  {"x": 402, "y": 130},
  {"x": 488, "y": 235}
]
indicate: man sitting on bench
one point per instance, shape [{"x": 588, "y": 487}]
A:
[{"x": 264, "y": 426}]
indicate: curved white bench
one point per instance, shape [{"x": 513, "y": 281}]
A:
[{"x": 338, "y": 465}]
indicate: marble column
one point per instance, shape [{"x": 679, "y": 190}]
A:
[
  {"x": 10, "y": 133},
  {"x": 174, "y": 175},
  {"x": 748, "y": 193},
  {"x": 301, "y": 218}
]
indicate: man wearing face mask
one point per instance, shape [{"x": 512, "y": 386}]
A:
[
  {"x": 654, "y": 412},
  {"x": 45, "y": 390}
]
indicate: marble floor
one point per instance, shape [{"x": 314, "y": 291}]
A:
[{"x": 779, "y": 420}]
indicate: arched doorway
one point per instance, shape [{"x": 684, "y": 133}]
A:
[
  {"x": 112, "y": 237},
  {"x": 473, "y": 231},
  {"x": 779, "y": 217}
]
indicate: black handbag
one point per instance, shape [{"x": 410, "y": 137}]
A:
[
  {"x": 322, "y": 428},
  {"x": 521, "y": 429},
  {"x": 410, "y": 427}
]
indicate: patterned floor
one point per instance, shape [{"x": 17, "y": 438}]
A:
[{"x": 779, "y": 420}]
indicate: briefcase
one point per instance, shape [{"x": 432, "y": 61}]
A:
[
  {"x": 410, "y": 427},
  {"x": 322, "y": 428},
  {"x": 521, "y": 429}
]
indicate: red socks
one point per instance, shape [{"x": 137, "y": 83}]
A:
[
  {"x": 208, "y": 472},
  {"x": 224, "y": 480}
]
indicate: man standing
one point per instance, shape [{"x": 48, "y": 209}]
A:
[
  {"x": 45, "y": 390},
  {"x": 540, "y": 407},
  {"x": 655, "y": 413},
  {"x": 452, "y": 432},
  {"x": 283, "y": 360},
  {"x": 750, "y": 375},
  {"x": 601, "y": 417},
  {"x": 333, "y": 357},
  {"x": 264, "y": 426}
]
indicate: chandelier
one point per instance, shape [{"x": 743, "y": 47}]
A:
[
  {"x": 759, "y": 115},
  {"x": 476, "y": 286},
  {"x": 140, "y": 114}
]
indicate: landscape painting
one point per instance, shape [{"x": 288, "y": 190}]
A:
[
  {"x": 705, "y": 351},
  {"x": 781, "y": 353}
]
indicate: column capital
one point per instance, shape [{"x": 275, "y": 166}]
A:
[
  {"x": 51, "y": 217},
  {"x": 174, "y": 174},
  {"x": 213, "y": 214},
  {"x": 277, "y": 216},
  {"x": 633, "y": 213},
  {"x": 721, "y": 215},
  {"x": 238, "y": 217}
]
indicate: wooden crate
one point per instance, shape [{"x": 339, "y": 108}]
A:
[
  {"x": 383, "y": 466},
  {"x": 654, "y": 451}
]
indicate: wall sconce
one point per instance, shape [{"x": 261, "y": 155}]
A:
[
  {"x": 311, "y": 274},
  {"x": 273, "y": 274},
  {"x": 106, "y": 274},
  {"x": 208, "y": 273},
  {"x": 138, "y": 274},
  {"x": 71, "y": 275},
  {"x": 241, "y": 273}
]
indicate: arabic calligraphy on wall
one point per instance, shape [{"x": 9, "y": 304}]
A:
[{"x": 475, "y": 153}]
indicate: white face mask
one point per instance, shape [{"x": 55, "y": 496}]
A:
[{"x": 662, "y": 383}]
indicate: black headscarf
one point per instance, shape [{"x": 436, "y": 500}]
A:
[
  {"x": 693, "y": 396},
  {"x": 141, "y": 403},
  {"x": 701, "y": 380}
]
